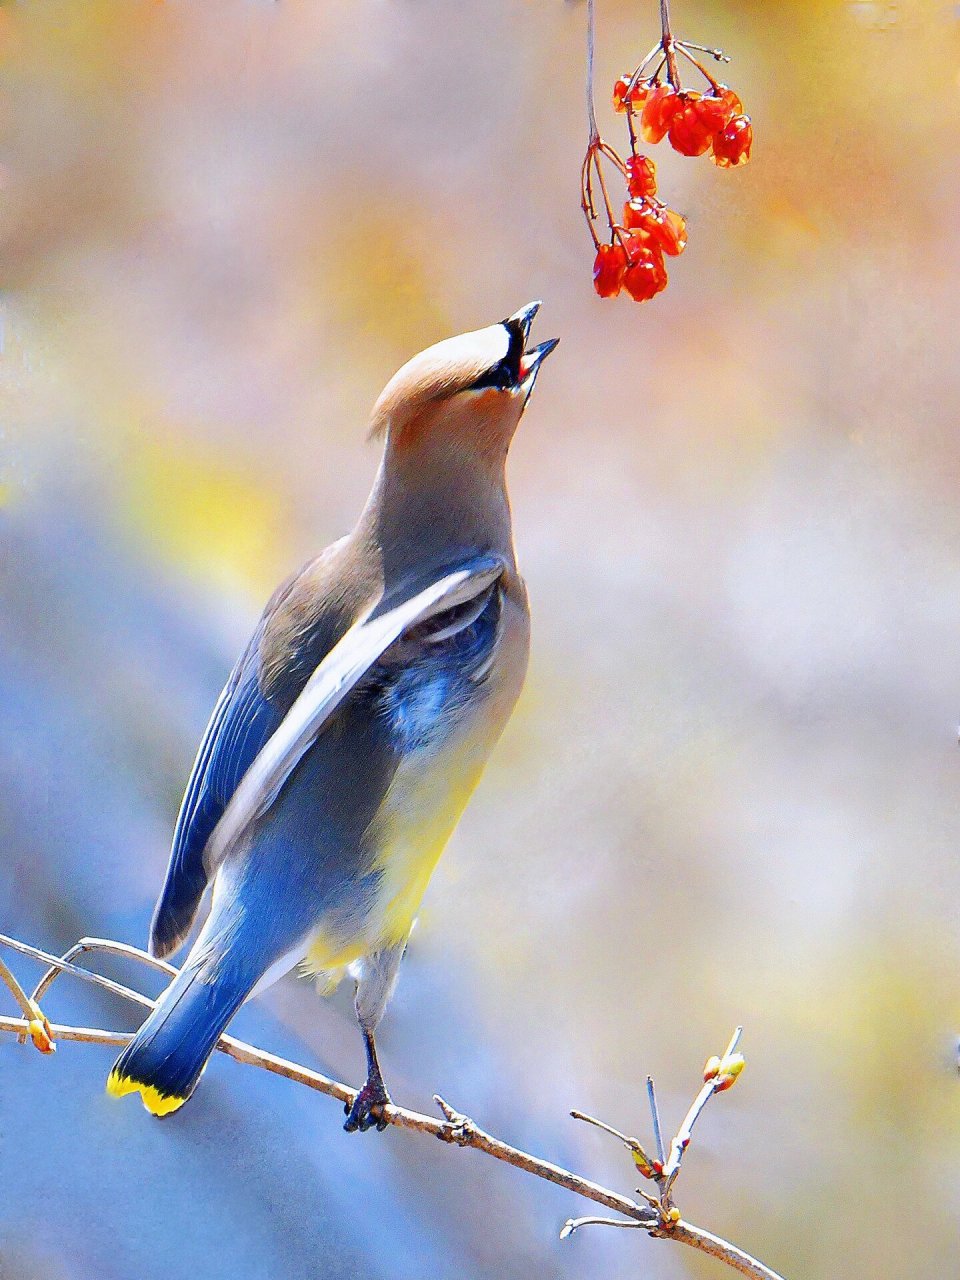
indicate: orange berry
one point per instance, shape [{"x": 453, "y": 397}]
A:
[
  {"x": 713, "y": 112},
  {"x": 669, "y": 231},
  {"x": 688, "y": 134},
  {"x": 732, "y": 145},
  {"x": 664, "y": 229},
  {"x": 638, "y": 93},
  {"x": 660, "y": 106},
  {"x": 645, "y": 276},
  {"x": 641, "y": 177},
  {"x": 637, "y": 214},
  {"x": 717, "y": 108},
  {"x": 608, "y": 269}
]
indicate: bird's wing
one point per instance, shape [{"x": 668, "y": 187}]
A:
[
  {"x": 242, "y": 721},
  {"x": 339, "y": 672}
]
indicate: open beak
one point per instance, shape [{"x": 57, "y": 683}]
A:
[
  {"x": 518, "y": 326},
  {"x": 533, "y": 358}
]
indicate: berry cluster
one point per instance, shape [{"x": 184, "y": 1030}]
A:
[
  {"x": 633, "y": 260},
  {"x": 694, "y": 123}
]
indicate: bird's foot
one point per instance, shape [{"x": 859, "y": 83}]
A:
[{"x": 367, "y": 1108}]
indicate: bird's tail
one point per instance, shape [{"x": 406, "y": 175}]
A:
[{"x": 166, "y": 1058}]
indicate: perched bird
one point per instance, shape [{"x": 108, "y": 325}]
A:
[{"x": 354, "y": 726}]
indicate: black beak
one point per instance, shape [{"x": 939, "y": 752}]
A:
[
  {"x": 518, "y": 367},
  {"x": 533, "y": 358},
  {"x": 520, "y": 322},
  {"x": 526, "y": 362}
]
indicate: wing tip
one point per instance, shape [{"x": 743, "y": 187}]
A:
[{"x": 164, "y": 940}]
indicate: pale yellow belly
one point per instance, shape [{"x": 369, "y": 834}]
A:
[
  {"x": 427, "y": 795},
  {"x": 417, "y": 818}
]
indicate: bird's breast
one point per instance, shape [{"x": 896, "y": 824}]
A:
[{"x": 445, "y": 709}]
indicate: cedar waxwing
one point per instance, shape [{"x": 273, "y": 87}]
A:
[{"x": 355, "y": 725}]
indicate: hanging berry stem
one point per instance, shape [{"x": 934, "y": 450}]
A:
[
  {"x": 714, "y": 84},
  {"x": 717, "y": 54},
  {"x": 632, "y": 259},
  {"x": 635, "y": 78},
  {"x": 592, "y": 127},
  {"x": 667, "y": 43}
]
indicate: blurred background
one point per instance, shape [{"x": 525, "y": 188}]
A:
[{"x": 730, "y": 792}]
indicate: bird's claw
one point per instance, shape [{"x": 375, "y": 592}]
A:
[{"x": 367, "y": 1109}]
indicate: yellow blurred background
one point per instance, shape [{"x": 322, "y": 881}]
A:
[{"x": 730, "y": 792}]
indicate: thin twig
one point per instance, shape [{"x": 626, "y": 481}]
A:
[
  {"x": 683, "y": 1135},
  {"x": 38, "y": 1028},
  {"x": 717, "y": 54},
  {"x": 592, "y": 127},
  {"x": 723, "y": 1251},
  {"x": 655, "y": 1114},
  {"x": 672, "y": 74},
  {"x": 574, "y": 1224},
  {"x": 18, "y": 993},
  {"x": 99, "y": 944},
  {"x": 82, "y": 1035},
  {"x": 455, "y": 1128},
  {"x": 714, "y": 83}
]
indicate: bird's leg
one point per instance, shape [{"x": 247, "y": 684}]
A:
[
  {"x": 376, "y": 976},
  {"x": 368, "y": 1105}
]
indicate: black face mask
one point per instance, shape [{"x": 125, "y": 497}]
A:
[{"x": 506, "y": 374}]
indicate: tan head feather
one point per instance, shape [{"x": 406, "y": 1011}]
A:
[
  {"x": 438, "y": 373},
  {"x": 472, "y": 388}
]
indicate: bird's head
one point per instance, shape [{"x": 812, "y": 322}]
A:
[{"x": 467, "y": 392}]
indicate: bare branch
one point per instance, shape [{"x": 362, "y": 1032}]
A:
[
  {"x": 655, "y": 1117},
  {"x": 96, "y": 944},
  {"x": 37, "y": 1026},
  {"x": 655, "y": 1217}
]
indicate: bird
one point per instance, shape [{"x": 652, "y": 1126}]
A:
[{"x": 354, "y": 727}]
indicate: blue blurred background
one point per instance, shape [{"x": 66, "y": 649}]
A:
[{"x": 730, "y": 792}]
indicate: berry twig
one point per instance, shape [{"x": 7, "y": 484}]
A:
[
  {"x": 667, "y": 44},
  {"x": 632, "y": 257}
]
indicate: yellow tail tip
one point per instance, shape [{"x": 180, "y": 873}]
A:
[{"x": 157, "y": 1103}]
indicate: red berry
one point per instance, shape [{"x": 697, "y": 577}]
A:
[
  {"x": 669, "y": 231},
  {"x": 664, "y": 229},
  {"x": 645, "y": 276},
  {"x": 732, "y": 145},
  {"x": 659, "y": 108},
  {"x": 638, "y": 93},
  {"x": 688, "y": 135},
  {"x": 641, "y": 177},
  {"x": 637, "y": 214},
  {"x": 608, "y": 269},
  {"x": 717, "y": 108}
]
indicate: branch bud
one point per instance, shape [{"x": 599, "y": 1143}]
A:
[
  {"x": 39, "y": 1029},
  {"x": 730, "y": 1068}
]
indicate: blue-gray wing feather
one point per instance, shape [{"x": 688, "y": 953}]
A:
[
  {"x": 242, "y": 721},
  {"x": 422, "y": 678}
]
